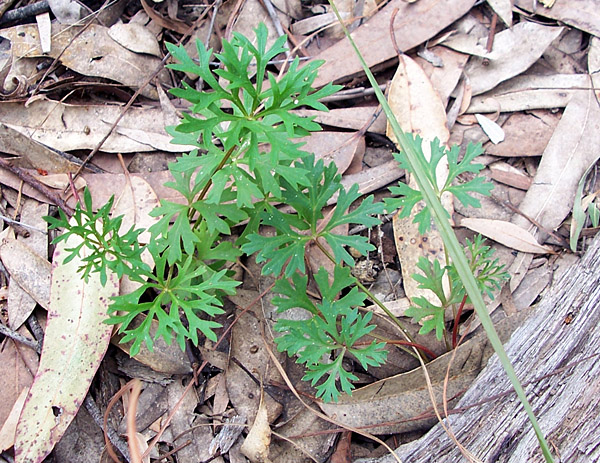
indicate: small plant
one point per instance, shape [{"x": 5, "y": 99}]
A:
[
  {"x": 488, "y": 273},
  {"x": 246, "y": 163}
]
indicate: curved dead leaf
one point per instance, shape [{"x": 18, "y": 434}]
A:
[
  {"x": 506, "y": 233},
  {"x": 75, "y": 342},
  {"x": 256, "y": 445}
]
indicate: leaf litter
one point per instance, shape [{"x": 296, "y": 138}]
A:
[{"x": 537, "y": 71}]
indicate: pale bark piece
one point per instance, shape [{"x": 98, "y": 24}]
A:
[
  {"x": 506, "y": 233},
  {"x": 91, "y": 53},
  {"x": 29, "y": 270},
  {"x": 394, "y": 405},
  {"x": 69, "y": 127},
  {"x": 554, "y": 354},
  {"x": 536, "y": 127},
  {"x": 527, "y": 92},
  {"x": 419, "y": 110},
  {"x": 32, "y": 154},
  {"x": 75, "y": 342},
  {"x": 414, "y": 24},
  {"x": 515, "y": 50},
  {"x": 581, "y": 14}
]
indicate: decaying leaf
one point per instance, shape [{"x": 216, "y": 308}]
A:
[
  {"x": 68, "y": 127},
  {"x": 32, "y": 154},
  {"x": 506, "y": 233},
  {"x": 256, "y": 445},
  {"x": 527, "y": 92},
  {"x": 419, "y": 110},
  {"x": 582, "y": 14},
  {"x": 515, "y": 50},
  {"x": 91, "y": 52},
  {"x": 29, "y": 270},
  {"x": 74, "y": 345},
  {"x": 415, "y": 23}
]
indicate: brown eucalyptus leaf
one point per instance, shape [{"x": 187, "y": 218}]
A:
[
  {"x": 355, "y": 117},
  {"x": 135, "y": 37},
  {"x": 338, "y": 147},
  {"x": 91, "y": 52},
  {"x": 506, "y": 233},
  {"x": 20, "y": 300},
  {"x": 32, "y": 154},
  {"x": 414, "y": 24},
  {"x": 75, "y": 342},
  {"x": 536, "y": 127},
  {"x": 581, "y": 14},
  {"x": 515, "y": 50},
  {"x": 67, "y": 127},
  {"x": 527, "y": 92}
]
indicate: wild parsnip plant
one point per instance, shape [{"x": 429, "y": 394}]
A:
[{"x": 245, "y": 164}]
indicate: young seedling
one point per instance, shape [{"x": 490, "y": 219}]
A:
[{"x": 247, "y": 163}]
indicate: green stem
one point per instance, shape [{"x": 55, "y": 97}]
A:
[{"x": 455, "y": 249}]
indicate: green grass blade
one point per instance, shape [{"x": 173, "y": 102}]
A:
[{"x": 455, "y": 250}]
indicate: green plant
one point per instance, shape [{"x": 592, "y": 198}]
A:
[
  {"x": 246, "y": 163},
  {"x": 489, "y": 275}
]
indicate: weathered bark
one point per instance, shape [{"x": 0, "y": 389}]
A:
[{"x": 556, "y": 355}]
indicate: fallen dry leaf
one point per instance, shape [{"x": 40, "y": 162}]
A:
[
  {"x": 515, "y": 50},
  {"x": 527, "y": 92},
  {"x": 506, "y": 233},
  {"x": 91, "y": 52},
  {"x": 415, "y": 23},
  {"x": 68, "y": 127},
  {"x": 28, "y": 269},
  {"x": 536, "y": 127},
  {"x": 257, "y": 442},
  {"x": 74, "y": 345},
  {"x": 582, "y": 14}
]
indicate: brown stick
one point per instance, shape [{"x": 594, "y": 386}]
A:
[{"x": 35, "y": 183}]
